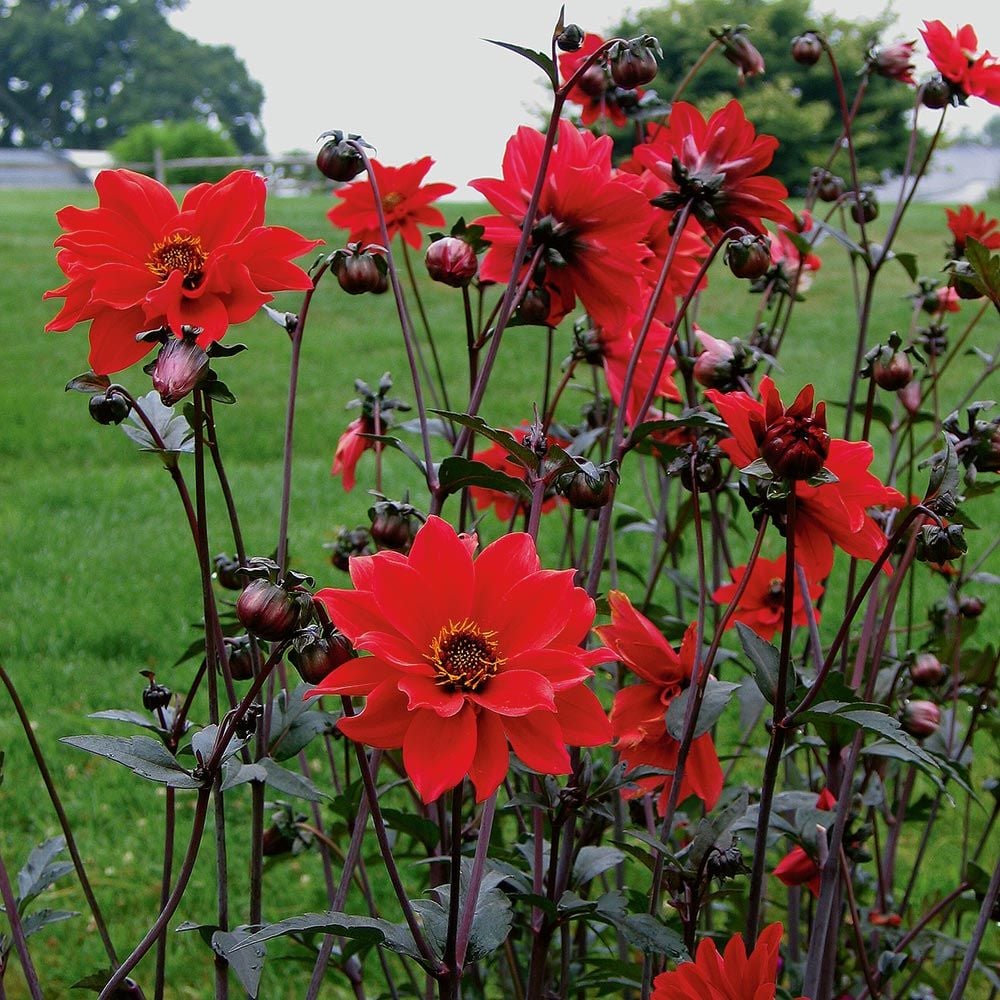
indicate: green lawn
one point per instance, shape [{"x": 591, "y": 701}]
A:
[{"x": 99, "y": 578}]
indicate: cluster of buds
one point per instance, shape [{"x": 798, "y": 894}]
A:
[
  {"x": 976, "y": 441},
  {"x": 452, "y": 259},
  {"x": 890, "y": 367},
  {"x": 339, "y": 158},
  {"x": 271, "y": 607},
  {"x": 361, "y": 269}
]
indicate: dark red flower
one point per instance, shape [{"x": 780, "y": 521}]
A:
[
  {"x": 895, "y": 61},
  {"x": 798, "y": 867},
  {"x": 957, "y": 60},
  {"x": 595, "y": 91},
  {"x": 137, "y": 262},
  {"x": 638, "y": 713},
  {"x": 406, "y": 203},
  {"x": 966, "y": 222},
  {"x": 351, "y": 446},
  {"x": 468, "y": 658},
  {"x": 507, "y": 505},
  {"x": 762, "y": 605},
  {"x": 714, "y": 167},
  {"x": 616, "y": 351},
  {"x": 827, "y": 515},
  {"x": 794, "y": 442},
  {"x": 589, "y": 227},
  {"x": 733, "y": 975}
]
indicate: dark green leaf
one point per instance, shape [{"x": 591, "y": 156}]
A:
[
  {"x": 538, "y": 58},
  {"x": 88, "y": 382},
  {"x": 987, "y": 268},
  {"x": 456, "y": 473},
  {"x": 291, "y": 783},
  {"x": 592, "y": 861},
  {"x": 40, "y": 871},
  {"x": 522, "y": 455},
  {"x": 39, "y": 920},
  {"x": 295, "y": 721},
  {"x": 140, "y": 754},
  {"x": 765, "y": 659},
  {"x": 713, "y": 704},
  {"x": 247, "y": 963}
]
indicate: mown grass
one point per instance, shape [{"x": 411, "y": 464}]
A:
[{"x": 99, "y": 580}]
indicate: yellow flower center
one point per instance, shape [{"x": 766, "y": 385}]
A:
[
  {"x": 391, "y": 200},
  {"x": 178, "y": 252},
  {"x": 464, "y": 656}
]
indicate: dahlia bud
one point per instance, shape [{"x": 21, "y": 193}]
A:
[
  {"x": 339, "y": 159},
  {"x": 707, "y": 472},
  {"x": 807, "y": 49},
  {"x": 909, "y": 396},
  {"x": 721, "y": 364},
  {"x": 451, "y": 261},
  {"x": 895, "y": 61},
  {"x": 319, "y": 651},
  {"x": 227, "y": 572},
  {"x": 829, "y": 187},
  {"x": 921, "y": 718},
  {"x": 155, "y": 695},
  {"x": 934, "y": 339},
  {"x": 589, "y": 487},
  {"x": 971, "y": 607},
  {"x": 749, "y": 256},
  {"x": 633, "y": 63},
  {"x": 742, "y": 53},
  {"x": 246, "y": 725},
  {"x": 937, "y": 94},
  {"x": 893, "y": 374},
  {"x": 179, "y": 367},
  {"x": 988, "y": 449},
  {"x": 795, "y": 443},
  {"x": 570, "y": 39},
  {"x": 107, "y": 409},
  {"x": 361, "y": 269},
  {"x": 937, "y": 544},
  {"x": 960, "y": 278},
  {"x": 726, "y": 863},
  {"x": 394, "y": 525},
  {"x": 864, "y": 206},
  {"x": 593, "y": 81},
  {"x": 535, "y": 306},
  {"x": 275, "y": 841},
  {"x": 239, "y": 656},
  {"x": 269, "y": 611},
  {"x": 926, "y": 669},
  {"x": 349, "y": 542}
]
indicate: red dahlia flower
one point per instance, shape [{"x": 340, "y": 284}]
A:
[
  {"x": 616, "y": 351},
  {"x": 965, "y": 223},
  {"x": 405, "y": 201},
  {"x": 588, "y": 229},
  {"x": 798, "y": 867},
  {"x": 826, "y": 515},
  {"x": 638, "y": 713},
  {"x": 733, "y": 975},
  {"x": 956, "y": 59},
  {"x": 595, "y": 91},
  {"x": 762, "y": 605},
  {"x": 468, "y": 657},
  {"x": 713, "y": 167},
  {"x": 137, "y": 262}
]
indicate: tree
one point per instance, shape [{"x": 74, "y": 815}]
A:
[
  {"x": 797, "y": 104},
  {"x": 175, "y": 140},
  {"x": 81, "y": 73}
]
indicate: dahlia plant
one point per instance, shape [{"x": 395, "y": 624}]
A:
[{"x": 634, "y": 698}]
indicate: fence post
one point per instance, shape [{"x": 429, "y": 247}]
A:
[{"x": 159, "y": 170}]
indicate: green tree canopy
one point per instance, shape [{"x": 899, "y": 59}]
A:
[
  {"x": 798, "y": 104},
  {"x": 81, "y": 73}
]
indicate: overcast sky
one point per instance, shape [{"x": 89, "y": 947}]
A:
[{"x": 417, "y": 78}]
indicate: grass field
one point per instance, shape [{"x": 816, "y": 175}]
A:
[{"x": 99, "y": 580}]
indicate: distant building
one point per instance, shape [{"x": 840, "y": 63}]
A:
[
  {"x": 40, "y": 168},
  {"x": 957, "y": 174}
]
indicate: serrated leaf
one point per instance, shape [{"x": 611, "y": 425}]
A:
[
  {"x": 247, "y": 963},
  {"x": 295, "y": 721},
  {"x": 713, "y": 704},
  {"x": 456, "y": 473},
  {"x": 40, "y": 871},
  {"x": 145, "y": 757},
  {"x": 174, "y": 430},
  {"x": 538, "y": 58},
  {"x": 592, "y": 861},
  {"x": 765, "y": 659},
  {"x": 89, "y": 383},
  {"x": 521, "y": 454},
  {"x": 289, "y": 782}
]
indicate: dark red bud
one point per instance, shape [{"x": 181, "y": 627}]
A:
[
  {"x": 570, "y": 39},
  {"x": 909, "y": 396},
  {"x": 744, "y": 55},
  {"x": 451, "y": 261},
  {"x": 937, "y": 94},
  {"x": 921, "y": 718},
  {"x": 534, "y": 307},
  {"x": 796, "y": 447},
  {"x": 358, "y": 271},
  {"x": 926, "y": 669},
  {"x": 864, "y": 208},
  {"x": 593, "y": 81},
  {"x": 276, "y": 842},
  {"x": 227, "y": 572},
  {"x": 268, "y": 610},
  {"x": 339, "y": 160},
  {"x": 749, "y": 256},
  {"x": 316, "y": 657},
  {"x": 109, "y": 409},
  {"x": 179, "y": 367},
  {"x": 155, "y": 696},
  {"x": 587, "y": 492},
  {"x": 807, "y": 49},
  {"x": 634, "y": 64},
  {"x": 971, "y": 607},
  {"x": 239, "y": 655},
  {"x": 393, "y": 528},
  {"x": 830, "y": 187},
  {"x": 707, "y": 471},
  {"x": 894, "y": 374}
]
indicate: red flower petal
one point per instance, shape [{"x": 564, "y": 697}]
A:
[{"x": 438, "y": 751}]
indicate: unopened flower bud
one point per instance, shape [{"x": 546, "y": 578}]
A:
[
  {"x": 895, "y": 61},
  {"x": 934, "y": 339},
  {"x": 830, "y": 187},
  {"x": 938, "y": 544},
  {"x": 361, "y": 269},
  {"x": 795, "y": 443},
  {"x": 937, "y": 94},
  {"x": 743, "y": 54},
  {"x": 909, "y": 396},
  {"x": 246, "y": 725},
  {"x": 534, "y": 307},
  {"x": 971, "y": 607},
  {"x": 749, "y": 256},
  {"x": 961, "y": 278},
  {"x": 394, "y": 526},
  {"x": 570, "y": 39},
  {"x": 451, "y": 261},
  {"x": 179, "y": 367},
  {"x": 318, "y": 652},
  {"x": 108, "y": 409},
  {"x": 155, "y": 695},
  {"x": 864, "y": 206},
  {"x": 926, "y": 669},
  {"x": 239, "y": 655},
  {"x": 589, "y": 487},
  {"x": 634, "y": 64},
  {"x": 227, "y": 572},
  {"x": 269, "y": 611},
  {"x": 726, "y": 863},
  {"x": 807, "y": 49},
  {"x": 593, "y": 81},
  {"x": 349, "y": 542},
  {"x": 276, "y": 842},
  {"x": 893, "y": 374},
  {"x": 707, "y": 472},
  {"x": 921, "y": 718},
  {"x": 339, "y": 160}
]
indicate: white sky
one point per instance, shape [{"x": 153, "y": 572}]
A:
[{"x": 415, "y": 78}]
